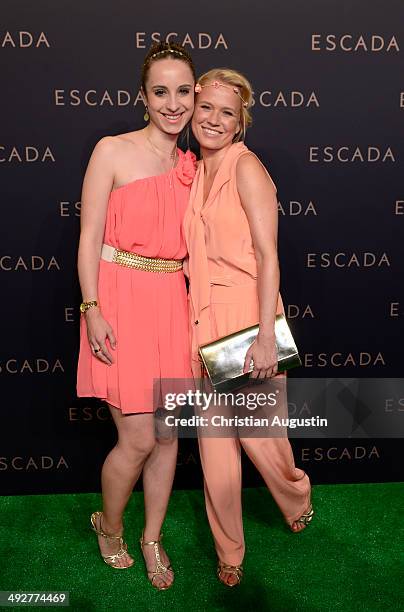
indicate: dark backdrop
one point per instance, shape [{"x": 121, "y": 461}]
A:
[{"x": 328, "y": 123}]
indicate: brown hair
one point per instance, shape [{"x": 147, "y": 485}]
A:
[
  {"x": 228, "y": 76},
  {"x": 162, "y": 50}
]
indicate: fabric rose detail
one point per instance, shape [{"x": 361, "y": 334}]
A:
[{"x": 186, "y": 168}]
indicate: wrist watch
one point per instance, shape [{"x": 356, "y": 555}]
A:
[{"x": 84, "y": 306}]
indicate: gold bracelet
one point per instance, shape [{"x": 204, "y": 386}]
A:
[{"x": 84, "y": 306}]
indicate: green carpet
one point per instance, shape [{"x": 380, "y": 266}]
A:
[{"x": 347, "y": 559}]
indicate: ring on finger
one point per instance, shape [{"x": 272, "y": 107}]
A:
[{"x": 96, "y": 350}]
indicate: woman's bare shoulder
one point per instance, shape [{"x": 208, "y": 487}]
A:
[
  {"x": 119, "y": 142},
  {"x": 248, "y": 163},
  {"x": 250, "y": 170}
]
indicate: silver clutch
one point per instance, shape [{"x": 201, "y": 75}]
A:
[{"x": 224, "y": 358}]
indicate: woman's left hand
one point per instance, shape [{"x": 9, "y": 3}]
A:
[{"x": 264, "y": 355}]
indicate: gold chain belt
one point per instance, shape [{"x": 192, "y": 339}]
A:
[{"x": 132, "y": 260}]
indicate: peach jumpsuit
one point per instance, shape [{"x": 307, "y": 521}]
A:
[{"x": 223, "y": 299}]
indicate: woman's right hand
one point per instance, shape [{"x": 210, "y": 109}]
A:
[{"x": 98, "y": 330}]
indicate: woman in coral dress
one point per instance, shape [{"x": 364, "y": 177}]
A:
[
  {"x": 134, "y": 327},
  {"x": 231, "y": 233}
]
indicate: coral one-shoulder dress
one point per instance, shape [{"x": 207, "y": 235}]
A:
[{"x": 147, "y": 311}]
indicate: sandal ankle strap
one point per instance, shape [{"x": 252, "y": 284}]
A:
[
  {"x": 229, "y": 569},
  {"x": 152, "y": 542},
  {"x": 100, "y": 531},
  {"x": 235, "y": 570}
]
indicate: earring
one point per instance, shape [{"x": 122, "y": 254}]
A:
[{"x": 146, "y": 115}]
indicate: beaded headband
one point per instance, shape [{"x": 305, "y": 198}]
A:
[
  {"x": 216, "y": 84},
  {"x": 167, "y": 51}
]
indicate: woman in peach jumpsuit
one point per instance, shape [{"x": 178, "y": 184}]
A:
[{"x": 231, "y": 233}]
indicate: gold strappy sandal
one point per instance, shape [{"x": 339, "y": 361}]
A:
[
  {"x": 304, "y": 519},
  {"x": 123, "y": 547},
  {"x": 160, "y": 568},
  {"x": 236, "y": 570}
]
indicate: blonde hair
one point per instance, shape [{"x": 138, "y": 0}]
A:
[{"x": 231, "y": 77}]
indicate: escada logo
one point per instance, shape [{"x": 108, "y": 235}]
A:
[
  {"x": 25, "y": 154},
  {"x": 294, "y": 311},
  {"x": 89, "y": 413},
  {"x": 23, "y": 40},
  {"x": 198, "y": 40},
  {"x": 295, "y": 208},
  {"x": 123, "y": 97},
  {"x": 395, "y": 309},
  {"x": 186, "y": 459},
  {"x": 286, "y": 99},
  {"x": 301, "y": 410},
  {"x": 35, "y": 263},
  {"x": 394, "y": 404},
  {"x": 349, "y": 154},
  {"x": 43, "y": 462},
  {"x": 69, "y": 209},
  {"x": 342, "y": 360},
  {"x": 347, "y": 260},
  {"x": 348, "y": 42},
  {"x": 335, "y": 453},
  {"x": 69, "y": 314},
  {"x": 399, "y": 207},
  {"x": 31, "y": 366},
  {"x": 94, "y": 97}
]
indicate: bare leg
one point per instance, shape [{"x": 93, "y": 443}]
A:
[
  {"x": 120, "y": 472},
  {"x": 158, "y": 475}
]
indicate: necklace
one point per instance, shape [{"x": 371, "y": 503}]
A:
[
  {"x": 173, "y": 153},
  {"x": 173, "y": 156}
]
